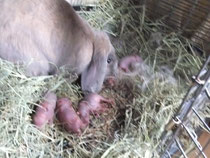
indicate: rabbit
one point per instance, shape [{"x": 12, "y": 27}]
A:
[
  {"x": 128, "y": 62},
  {"x": 92, "y": 103},
  {"x": 68, "y": 117},
  {"x": 45, "y": 35},
  {"x": 45, "y": 113}
]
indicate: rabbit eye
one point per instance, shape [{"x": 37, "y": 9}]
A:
[{"x": 109, "y": 60}]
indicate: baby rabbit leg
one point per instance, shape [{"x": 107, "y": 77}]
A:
[
  {"x": 102, "y": 109},
  {"x": 97, "y": 114},
  {"x": 106, "y": 100}
]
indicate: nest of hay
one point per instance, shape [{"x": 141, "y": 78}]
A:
[{"x": 133, "y": 126}]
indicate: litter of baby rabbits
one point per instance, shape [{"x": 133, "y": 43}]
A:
[{"x": 144, "y": 101}]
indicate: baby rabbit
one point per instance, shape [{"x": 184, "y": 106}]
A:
[
  {"x": 45, "y": 113},
  {"x": 127, "y": 63},
  {"x": 92, "y": 104},
  {"x": 47, "y": 34},
  {"x": 68, "y": 117}
]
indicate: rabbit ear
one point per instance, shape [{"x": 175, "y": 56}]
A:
[{"x": 92, "y": 78}]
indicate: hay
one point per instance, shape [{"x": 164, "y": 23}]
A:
[{"x": 132, "y": 127}]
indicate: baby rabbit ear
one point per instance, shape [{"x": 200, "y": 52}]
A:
[{"x": 92, "y": 78}]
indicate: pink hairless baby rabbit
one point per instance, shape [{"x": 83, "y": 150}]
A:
[
  {"x": 128, "y": 62},
  {"x": 68, "y": 117},
  {"x": 92, "y": 104},
  {"x": 45, "y": 112}
]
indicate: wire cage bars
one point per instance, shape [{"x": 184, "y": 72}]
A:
[{"x": 197, "y": 97}]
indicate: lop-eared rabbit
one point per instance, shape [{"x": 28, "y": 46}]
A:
[{"x": 45, "y": 34}]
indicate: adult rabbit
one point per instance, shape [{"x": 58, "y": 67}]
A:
[{"x": 46, "y": 34}]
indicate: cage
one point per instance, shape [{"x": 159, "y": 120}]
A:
[
  {"x": 190, "y": 19},
  {"x": 158, "y": 118},
  {"x": 190, "y": 105}
]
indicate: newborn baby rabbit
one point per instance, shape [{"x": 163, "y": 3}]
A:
[
  {"x": 68, "y": 117},
  {"x": 92, "y": 104},
  {"x": 48, "y": 34},
  {"x": 65, "y": 113},
  {"x": 45, "y": 112},
  {"x": 129, "y": 63}
]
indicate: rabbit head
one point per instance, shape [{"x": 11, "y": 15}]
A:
[{"x": 103, "y": 64}]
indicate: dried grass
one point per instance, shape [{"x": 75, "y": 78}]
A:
[{"x": 132, "y": 127}]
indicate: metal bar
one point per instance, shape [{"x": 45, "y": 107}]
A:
[
  {"x": 180, "y": 147},
  {"x": 192, "y": 89},
  {"x": 207, "y": 93},
  {"x": 197, "y": 93},
  {"x": 202, "y": 88},
  {"x": 204, "y": 148},
  {"x": 175, "y": 134},
  {"x": 185, "y": 107},
  {"x": 168, "y": 154},
  {"x": 204, "y": 123},
  {"x": 198, "y": 81},
  {"x": 189, "y": 104},
  {"x": 193, "y": 139},
  {"x": 171, "y": 141},
  {"x": 204, "y": 66}
]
